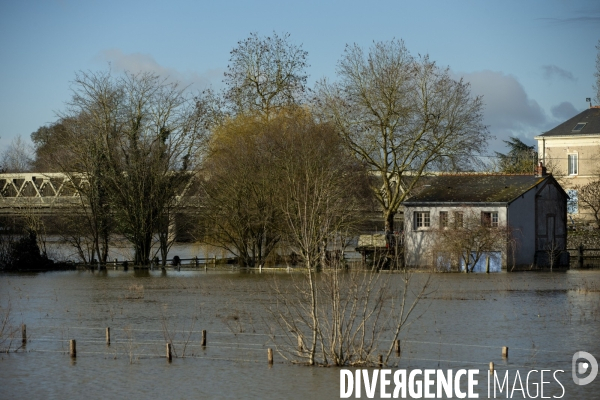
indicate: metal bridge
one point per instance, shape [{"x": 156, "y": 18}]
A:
[
  {"x": 37, "y": 191},
  {"x": 42, "y": 193}
]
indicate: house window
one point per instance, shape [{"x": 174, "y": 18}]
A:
[
  {"x": 572, "y": 159},
  {"x": 443, "y": 219},
  {"x": 572, "y": 203},
  {"x": 489, "y": 218},
  {"x": 579, "y": 127},
  {"x": 422, "y": 219},
  {"x": 458, "y": 219}
]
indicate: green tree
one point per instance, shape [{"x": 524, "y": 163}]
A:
[
  {"x": 520, "y": 159},
  {"x": 239, "y": 193}
]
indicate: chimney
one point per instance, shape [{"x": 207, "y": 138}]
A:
[{"x": 540, "y": 170}]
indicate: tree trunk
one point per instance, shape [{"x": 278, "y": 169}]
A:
[
  {"x": 313, "y": 310},
  {"x": 389, "y": 221}
]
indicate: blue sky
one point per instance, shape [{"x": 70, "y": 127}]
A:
[{"x": 533, "y": 61}]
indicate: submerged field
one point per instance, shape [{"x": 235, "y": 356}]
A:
[{"x": 544, "y": 318}]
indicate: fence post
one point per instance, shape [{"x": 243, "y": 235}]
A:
[
  {"x": 169, "y": 355},
  {"x": 580, "y": 256},
  {"x": 196, "y": 261},
  {"x": 116, "y": 262}
]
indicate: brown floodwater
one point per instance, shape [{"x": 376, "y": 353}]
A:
[{"x": 544, "y": 318}]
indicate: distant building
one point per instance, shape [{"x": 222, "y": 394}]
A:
[
  {"x": 572, "y": 151},
  {"x": 533, "y": 207}
]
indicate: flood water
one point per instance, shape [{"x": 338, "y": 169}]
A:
[{"x": 544, "y": 318}]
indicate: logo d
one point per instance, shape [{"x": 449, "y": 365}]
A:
[{"x": 582, "y": 367}]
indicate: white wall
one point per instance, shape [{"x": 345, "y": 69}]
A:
[{"x": 419, "y": 242}]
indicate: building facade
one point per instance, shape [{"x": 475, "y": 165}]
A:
[
  {"x": 571, "y": 152},
  {"x": 529, "y": 212}
]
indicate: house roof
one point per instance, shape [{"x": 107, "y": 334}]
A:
[
  {"x": 591, "y": 118},
  {"x": 477, "y": 188}
]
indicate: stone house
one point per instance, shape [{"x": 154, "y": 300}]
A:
[
  {"x": 531, "y": 209},
  {"x": 572, "y": 151}
]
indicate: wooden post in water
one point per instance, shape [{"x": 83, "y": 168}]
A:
[
  {"x": 203, "y": 342},
  {"x": 24, "y": 334},
  {"x": 116, "y": 262},
  {"x": 580, "y": 256},
  {"x": 196, "y": 261},
  {"x": 108, "y": 336},
  {"x": 505, "y": 352},
  {"x": 300, "y": 346},
  {"x": 380, "y": 361},
  {"x": 397, "y": 347},
  {"x": 270, "y": 356},
  {"x": 72, "y": 348},
  {"x": 487, "y": 264},
  {"x": 169, "y": 352},
  {"x": 491, "y": 368}
]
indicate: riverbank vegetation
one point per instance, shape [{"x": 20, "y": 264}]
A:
[{"x": 265, "y": 163}]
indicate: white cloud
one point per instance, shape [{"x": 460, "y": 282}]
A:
[{"x": 138, "y": 62}]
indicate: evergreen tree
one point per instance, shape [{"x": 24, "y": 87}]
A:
[{"x": 521, "y": 158}]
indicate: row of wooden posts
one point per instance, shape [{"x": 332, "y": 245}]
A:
[
  {"x": 174, "y": 262},
  {"x": 169, "y": 354}
]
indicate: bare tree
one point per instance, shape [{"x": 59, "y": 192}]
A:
[
  {"x": 589, "y": 196},
  {"x": 331, "y": 317},
  {"x": 316, "y": 173},
  {"x": 323, "y": 190},
  {"x": 17, "y": 156},
  {"x": 135, "y": 141},
  {"x": 402, "y": 117},
  {"x": 470, "y": 238},
  {"x": 265, "y": 74}
]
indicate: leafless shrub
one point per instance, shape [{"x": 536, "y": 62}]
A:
[
  {"x": 8, "y": 331},
  {"x": 179, "y": 338},
  {"x": 464, "y": 244},
  {"x": 344, "y": 317},
  {"x": 131, "y": 346}
]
